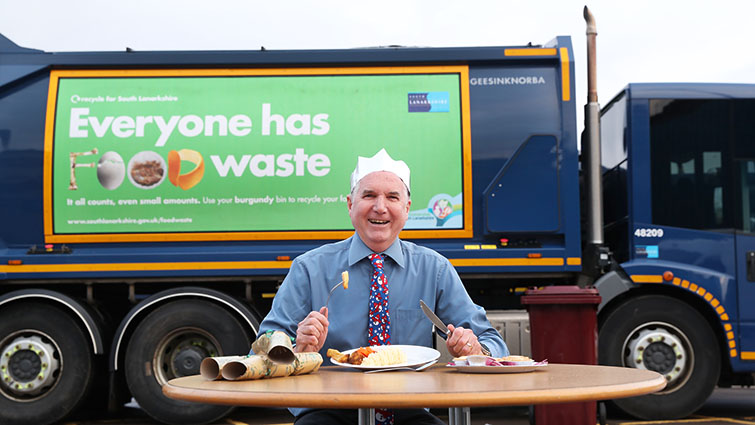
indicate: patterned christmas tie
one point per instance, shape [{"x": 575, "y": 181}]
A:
[{"x": 379, "y": 327}]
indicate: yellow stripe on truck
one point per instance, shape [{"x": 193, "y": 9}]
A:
[
  {"x": 236, "y": 265},
  {"x": 471, "y": 262},
  {"x": 104, "y": 267},
  {"x": 565, "y": 76},
  {"x": 531, "y": 51},
  {"x": 647, "y": 278}
]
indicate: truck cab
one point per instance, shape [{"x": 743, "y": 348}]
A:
[{"x": 678, "y": 164}]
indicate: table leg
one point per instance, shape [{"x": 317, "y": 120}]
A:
[
  {"x": 459, "y": 416},
  {"x": 366, "y": 416}
]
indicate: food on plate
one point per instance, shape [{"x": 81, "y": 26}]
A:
[
  {"x": 477, "y": 360},
  {"x": 337, "y": 355},
  {"x": 368, "y": 356},
  {"x": 357, "y": 356},
  {"x": 385, "y": 357},
  {"x": 493, "y": 361},
  {"x": 514, "y": 359}
]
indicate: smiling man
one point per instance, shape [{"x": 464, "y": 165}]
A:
[{"x": 387, "y": 278}]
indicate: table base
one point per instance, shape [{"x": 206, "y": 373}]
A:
[
  {"x": 456, "y": 416},
  {"x": 366, "y": 416}
]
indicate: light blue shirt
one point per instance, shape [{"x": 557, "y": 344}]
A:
[{"x": 413, "y": 273}]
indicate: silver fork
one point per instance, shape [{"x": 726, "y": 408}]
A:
[
  {"x": 344, "y": 276},
  {"x": 416, "y": 369}
]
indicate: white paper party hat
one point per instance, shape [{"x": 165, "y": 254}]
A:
[{"x": 380, "y": 162}]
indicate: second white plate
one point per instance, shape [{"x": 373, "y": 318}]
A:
[{"x": 498, "y": 369}]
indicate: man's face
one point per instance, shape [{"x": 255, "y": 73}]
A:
[{"x": 379, "y": 207}]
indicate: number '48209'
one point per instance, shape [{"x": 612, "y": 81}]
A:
[{"x": 648, "y": 233}]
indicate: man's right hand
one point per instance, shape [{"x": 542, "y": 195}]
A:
[{"x": 312, "y": 331}]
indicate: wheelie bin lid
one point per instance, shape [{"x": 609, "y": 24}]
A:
[{"x": 561, "y": 294}]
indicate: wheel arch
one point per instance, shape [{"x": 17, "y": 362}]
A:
[
  {"x": 79, "y": 311},
  {"x": 627, "y": 290},
  {"x": 138, "y": 312}
]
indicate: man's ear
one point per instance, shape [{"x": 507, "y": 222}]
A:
[
  {"x": 348, "y": 202},
  {"x": 408, "y": 204}
]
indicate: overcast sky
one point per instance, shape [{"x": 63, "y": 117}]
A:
[{"x": 638, "y": 40}]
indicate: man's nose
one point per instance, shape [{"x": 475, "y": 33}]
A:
[{"x": 379, "y": 205}]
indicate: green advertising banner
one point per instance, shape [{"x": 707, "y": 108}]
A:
[{"x": 247, "y": 153}]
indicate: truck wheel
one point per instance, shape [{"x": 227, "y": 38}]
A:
[
  {"x": 171, "y": 342},
  {"x": 668, "y": 336},
  {"x": 46, "y": 364}
]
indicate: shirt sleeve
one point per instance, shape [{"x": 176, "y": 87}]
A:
[
  {"x": 291, "y": 303},
  {"x": 456, "y": 307}
]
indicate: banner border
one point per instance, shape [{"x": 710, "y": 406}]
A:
[{"x": 55, "y": 76}]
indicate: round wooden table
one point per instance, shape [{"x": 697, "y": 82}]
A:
[{"x": 439, "y": 386}]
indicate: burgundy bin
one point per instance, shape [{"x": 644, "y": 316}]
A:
[{"x": 564, "y": 329}]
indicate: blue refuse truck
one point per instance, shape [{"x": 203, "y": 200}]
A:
[{"x": 152, "y": 202}]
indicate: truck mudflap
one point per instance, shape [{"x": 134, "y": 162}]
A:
[{"x": 611, "y": 285}]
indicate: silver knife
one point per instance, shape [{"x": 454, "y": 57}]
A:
[
  {"x": 433, "y": 318},
  {"x": 441, "y": 326}
]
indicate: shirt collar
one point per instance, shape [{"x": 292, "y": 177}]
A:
[{"x": 358, "y": 250}]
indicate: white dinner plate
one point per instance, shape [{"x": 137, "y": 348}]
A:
[
  {"x": 415, "y": 356},
  {"x": 498, "y": 369}
]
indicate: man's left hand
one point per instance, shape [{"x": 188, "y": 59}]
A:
[{"x": 462, "y": 342}]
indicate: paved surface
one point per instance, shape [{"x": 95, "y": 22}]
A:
[{"x": 725, "y": 407}]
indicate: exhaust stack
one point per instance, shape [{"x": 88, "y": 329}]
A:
[{"x": 595, "y": 256}]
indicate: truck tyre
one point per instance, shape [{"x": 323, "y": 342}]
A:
[
  {"x": 46, "y": 364},
  {"x": 171, "y": 342},
  {"x": 668, "y": 336}
]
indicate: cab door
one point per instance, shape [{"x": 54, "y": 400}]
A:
[
  {"x": 745, "y": 253},
  {"x": 702, "y": 156}
]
